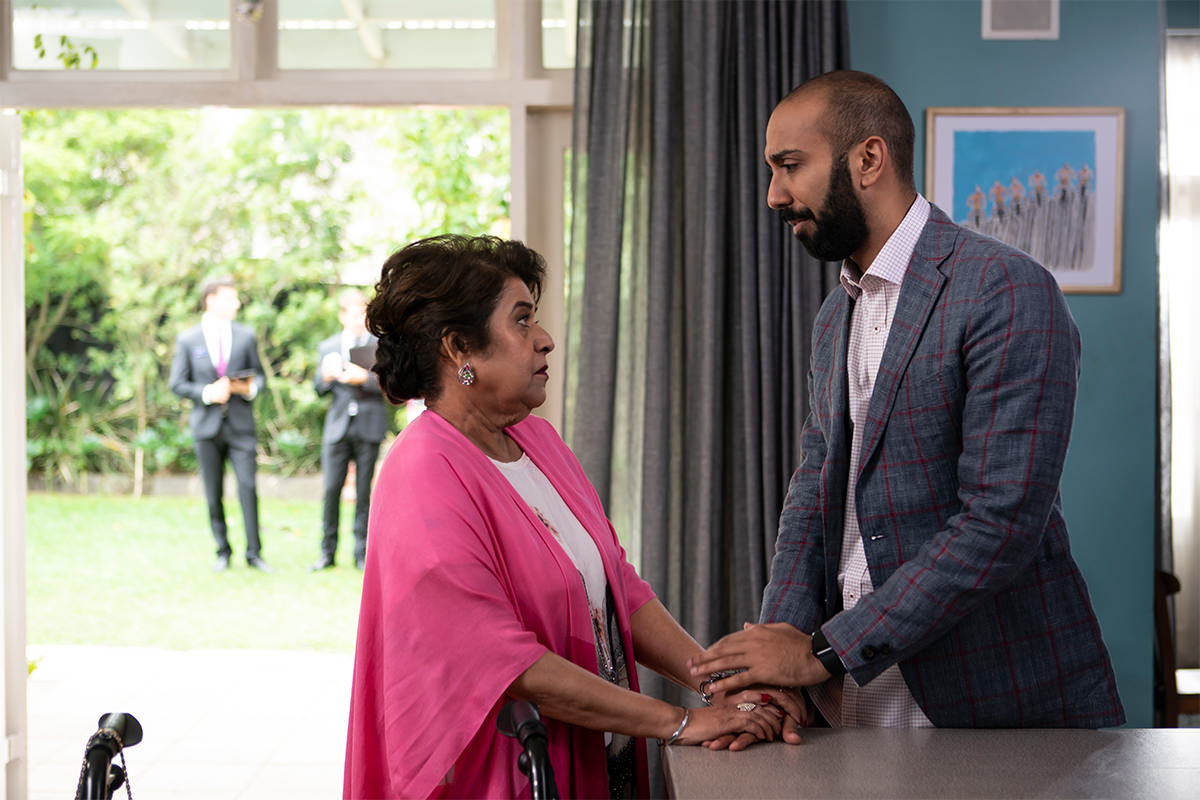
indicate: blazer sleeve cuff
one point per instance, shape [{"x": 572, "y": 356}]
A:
[{"x": 864, "y": 656}]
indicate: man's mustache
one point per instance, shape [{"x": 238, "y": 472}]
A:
[{"x": 791, "y": 215}]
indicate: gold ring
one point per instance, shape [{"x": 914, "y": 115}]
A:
[{"x": 746, "y": 706}]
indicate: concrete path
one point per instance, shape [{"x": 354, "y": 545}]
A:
[{"x": 230, "y": 724}]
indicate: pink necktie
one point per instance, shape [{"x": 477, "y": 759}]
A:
[{"x": 220, "y": 354}]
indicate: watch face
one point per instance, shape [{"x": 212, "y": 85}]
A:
[{"x": 825, "y": 653}]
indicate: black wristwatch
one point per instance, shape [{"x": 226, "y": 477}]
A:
[{"x": 825, "y": 653}]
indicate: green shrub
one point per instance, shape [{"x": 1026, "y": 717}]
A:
[{"x": 129, "y": 211}]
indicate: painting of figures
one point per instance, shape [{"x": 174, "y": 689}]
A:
[{"x": 1047, "y": 181}]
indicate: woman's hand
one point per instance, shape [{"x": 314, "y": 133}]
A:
[
  {"x": 757, "y": 720},
  {"x": 798, "y": 714},
  {"x": 790, "y": 701}
]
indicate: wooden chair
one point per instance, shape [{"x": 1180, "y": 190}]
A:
[{"x": 1174, "y": 703}]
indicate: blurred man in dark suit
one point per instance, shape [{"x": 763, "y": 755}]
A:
[
  {"x": 354, "y": 426},
  {"x": 216, "y": 366}
]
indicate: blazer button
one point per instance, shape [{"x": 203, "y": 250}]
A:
[
  {"x": 885, "y": 649},
  {"x": 868, "y": 652}
]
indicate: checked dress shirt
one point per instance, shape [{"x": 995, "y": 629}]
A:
[{"x": 886, "y": 701}]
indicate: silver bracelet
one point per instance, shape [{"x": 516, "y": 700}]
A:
[{"x": 687, "y": 713}]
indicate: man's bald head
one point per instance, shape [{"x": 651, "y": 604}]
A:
[{"x": 859, "y": 106}]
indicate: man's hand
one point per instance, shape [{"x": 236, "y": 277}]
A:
[
  {"x": 775, "y": 654},
  {"x": 239, "y": 386},
  {"x": 792, "y": 703},
  {"x": 353, "y": 374},
  {"x": 790, "y": 734},
  {"x": 217, "y": 392},
  {"x": 331, "y": 367}
]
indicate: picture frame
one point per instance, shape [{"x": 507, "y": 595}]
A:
[
  {"x": 1023, "y": 19},
  {"x": 1049, "y": 181}
]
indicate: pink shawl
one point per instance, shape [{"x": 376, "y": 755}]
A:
[{"x": 464, "y": 590}]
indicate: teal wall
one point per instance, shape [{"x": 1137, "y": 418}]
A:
[{"x": 1107, "y": 54}]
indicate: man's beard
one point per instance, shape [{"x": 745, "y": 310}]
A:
[{"x": 841, "y": 225}]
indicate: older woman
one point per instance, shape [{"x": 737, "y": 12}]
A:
[{"x": 493, "y": 573}]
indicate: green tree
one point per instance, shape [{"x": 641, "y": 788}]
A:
[
  {"x": 457, "y": 162},
  {"x": 76, "y": 164},
  {"x": 256, "y": 200},
  {"x": 131, "y": 211}
]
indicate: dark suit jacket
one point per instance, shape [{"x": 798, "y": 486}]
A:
[
  {"x": 372, "y": 413},
  {"x": 192, "y": 369},
  {"x": 976, "y": 594}
]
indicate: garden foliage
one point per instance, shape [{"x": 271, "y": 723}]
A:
[{"x": 128, "y": 212}]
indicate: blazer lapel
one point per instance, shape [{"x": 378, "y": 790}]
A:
[
  {"x": 839, "y": 387},
  {"x": 201, "y": 361},
  {"x": 241, "y": 353},
  {"x": 237, "y": 347},
  {"x": 922, "y": 285},
  {"x": 837, "y": 453}
]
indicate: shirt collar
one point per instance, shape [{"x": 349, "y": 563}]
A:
[
  {"x": 213, "y": 322},
  {"x": 891, "y": 263}
]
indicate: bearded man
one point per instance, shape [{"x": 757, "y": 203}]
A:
[{"x": 923, "y": 574}]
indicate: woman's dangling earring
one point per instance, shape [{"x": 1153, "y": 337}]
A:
[{"x": 466, "y": 375}]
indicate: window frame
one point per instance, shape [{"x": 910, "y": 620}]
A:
[{"x": 539, "y": 102}]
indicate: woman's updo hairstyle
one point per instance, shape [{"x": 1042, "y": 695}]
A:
[{"x": 447, "y": 284}]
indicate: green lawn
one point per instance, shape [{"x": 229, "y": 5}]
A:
[{"x": 112, "y": 570}]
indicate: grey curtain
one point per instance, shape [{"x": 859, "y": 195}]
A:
[{"x": 689, "y": 302}]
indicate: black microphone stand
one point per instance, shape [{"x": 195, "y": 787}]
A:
[
  {"x": 99, "y": 776},
  {"x": 520, "y": 720}
]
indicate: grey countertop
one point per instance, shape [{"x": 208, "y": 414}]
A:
[{"x": 864, "y": 763}]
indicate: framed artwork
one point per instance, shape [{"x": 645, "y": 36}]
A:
[
  {"x": 1046, "y": 180},
  {"x": 1020, "y": 19}
]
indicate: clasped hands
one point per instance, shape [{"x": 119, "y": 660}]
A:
[
  {"x": 334, "y": 369},
  {"x": 220, "y": 390},
  {"x": 774, "y": 659}
]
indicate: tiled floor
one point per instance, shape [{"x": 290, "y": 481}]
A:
[{"x": 230, "y": 724}]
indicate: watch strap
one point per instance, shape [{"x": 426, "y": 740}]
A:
[{"x": 825, "y": 653}]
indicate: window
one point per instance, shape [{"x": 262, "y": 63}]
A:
[
  {"x": 387, "y": 34},
  {"x": 1180, "y": 243},
  {"x": 558, "y": 34},
  {"x": 121, "y": 34}
]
